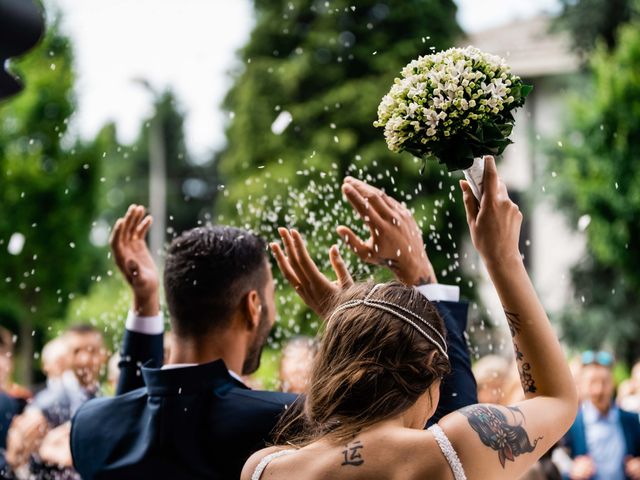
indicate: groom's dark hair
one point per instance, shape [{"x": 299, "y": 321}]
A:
[{"x": 208, "y": 271}]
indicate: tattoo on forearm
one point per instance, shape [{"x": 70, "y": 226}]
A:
[
  {"x": 352, "y": 454},
  {"x": 524, "y": 369},
  {"x": 425, "y": 281},
  {"x": 514, "y": 322},
  {"x": 496, "y": 431}
]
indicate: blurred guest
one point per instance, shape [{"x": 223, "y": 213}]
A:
[
  {"x": 6, "y": 368},
  {"x": 55, "y": 359},
  {"x": 604, "y": 441},
  {"x": 491, "y": 373},
  {"x": 12, "y": 397},
  {"x": 87, "y": 356},
  {"x": 64, "y": 394},
  {"x": 296, "y": 363},
  {"x": 629, "y": 391}
]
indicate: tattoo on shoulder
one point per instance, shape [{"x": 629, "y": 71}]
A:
[
  {"x": 497, "y": 431},
  {"x": 514, "y": 322},
  {"x": 352, "y": 454},
  {"x": 524, "y": 369}
]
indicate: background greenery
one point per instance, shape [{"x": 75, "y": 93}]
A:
[
  {"x": 327, "y": 67},
  {"x": 598, "y": 179}
]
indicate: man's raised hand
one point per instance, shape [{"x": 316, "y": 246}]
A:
[
  {"x": 301, "y": 272},
  {"x": 395, "y": 239},
  {"x": 134, "y": 260}
]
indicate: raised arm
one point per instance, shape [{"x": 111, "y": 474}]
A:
[
  {"x": 503, "y": 442},
  {"x": 396, "y": 242},
  {"x": 142, "y": 340}
]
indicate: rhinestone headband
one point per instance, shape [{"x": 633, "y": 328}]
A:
[{"x": 404, "y": 314}]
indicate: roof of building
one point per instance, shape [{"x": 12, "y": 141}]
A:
[{"x": 529, "y": 47}]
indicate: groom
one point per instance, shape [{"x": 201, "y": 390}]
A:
[{"x": 194, "y": 418}]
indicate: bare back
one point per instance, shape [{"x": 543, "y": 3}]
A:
[{"x": 383, "y": 452}]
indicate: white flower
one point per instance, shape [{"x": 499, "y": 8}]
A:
[
  {"x": 412, "y": 109},
  {"x": 438, "y": 101},
  {"x": 431, "y": 117}
]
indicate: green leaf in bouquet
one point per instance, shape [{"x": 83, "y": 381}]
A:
[
  {"x": 525, "y": 90},
  {"x": 456, "y": 153},
  {"x": 504, "y": 128},
  {"x": 519, "y": 93}
]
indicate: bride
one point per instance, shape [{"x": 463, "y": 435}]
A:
[{"x": 376, "y": 378}]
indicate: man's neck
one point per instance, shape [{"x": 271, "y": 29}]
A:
[
  {"x": 229, "y": 348},
  {"x": 602, "y": 411}
]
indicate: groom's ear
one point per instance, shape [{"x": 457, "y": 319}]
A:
[{"x": 252, "y": 306}]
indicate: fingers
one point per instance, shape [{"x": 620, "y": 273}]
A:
[
  {"x": 290, "y": 250},
  {"x": 132, "y": 220},
  {"x": 342, "y": 273},
  {"x": 143, "y": 227},
  {"x": 361, "y": 205},
  {"x": 116, "y": 235},
  {"x": 470, "y": 203},
  {"x": 138, "y": 215},
  {"x": 490, "y": 180},
  {"x": 309, "y": 267},
  {"x": 354, "y": 242},
  {"x": 128, "y": 221},
  {"x": 284, "y": 265},
  {"x": 376, "y": 197}
]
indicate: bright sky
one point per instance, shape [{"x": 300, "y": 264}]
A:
[{"x": 117, "y": 41}]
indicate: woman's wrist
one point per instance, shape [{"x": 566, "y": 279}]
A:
[{"x": 503, "y": 262}]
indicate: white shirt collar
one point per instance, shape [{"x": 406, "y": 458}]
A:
[
  {"x": 593, "y": 415},
  {"x": 173, "y": 366}
]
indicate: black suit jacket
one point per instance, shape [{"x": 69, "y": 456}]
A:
[
  {"x": 199, "y": 422},
  {"x": 187, "y": 423}
]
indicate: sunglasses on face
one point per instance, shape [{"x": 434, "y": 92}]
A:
[{"x": 590, "y": 357}]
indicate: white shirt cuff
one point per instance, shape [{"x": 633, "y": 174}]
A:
[
  {"x": 147, "y": 325},
  {"x": 439, "y": 292}
]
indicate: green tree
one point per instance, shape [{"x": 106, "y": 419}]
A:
[
  {"x": 301, "y": 113},
  {"x": 598, "y": 180},
  {"x": 191, "y": 187},
  {"x": 48, "y": 185},
  {"x": 590, "y": 21}
]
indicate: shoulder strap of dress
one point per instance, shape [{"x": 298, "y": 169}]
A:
[
  {"x": 257, "y": 473},
  {"x": 448, "y": 451}
]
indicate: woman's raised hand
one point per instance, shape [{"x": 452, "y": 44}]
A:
[{"x": 495, "y": 222}]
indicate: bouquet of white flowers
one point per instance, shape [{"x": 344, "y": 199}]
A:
[{"x": 454, "y": 106}]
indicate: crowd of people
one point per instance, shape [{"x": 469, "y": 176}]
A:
[{"x": 387, "y": 391}]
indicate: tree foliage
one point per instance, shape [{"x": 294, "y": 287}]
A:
[
  {"x": 590, "y": 21},
  {"x": 48, "y": 185},
  {"x": 191, "y": 187},
  {"x": 599, "y": 180},
  {"x": 301, "y": 118}
]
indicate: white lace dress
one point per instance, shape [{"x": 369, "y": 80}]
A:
[{"x": 441, "y": 439}]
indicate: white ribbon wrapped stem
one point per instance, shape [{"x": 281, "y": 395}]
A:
[{"x": 474, "y": 175}]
